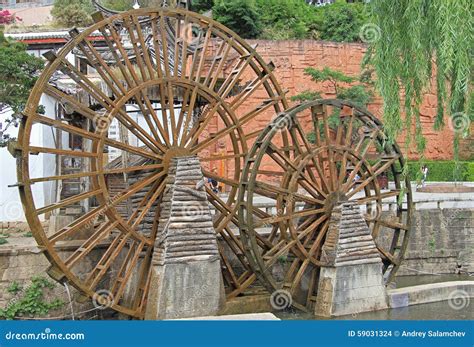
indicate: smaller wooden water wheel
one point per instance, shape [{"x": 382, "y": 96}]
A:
[{"x": 337, "y": 152}]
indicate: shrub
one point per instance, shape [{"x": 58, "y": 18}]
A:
[
  {"x": 470, "y": 171},
  {"x": 443, "y": 171},
  {"x": 71, "y": 13},
  {"x": 306, "y": 95},
  {"x": 14, "y": 287},
  {"x": 8, "y": 18},
  {"x": 31, "y": 300}
]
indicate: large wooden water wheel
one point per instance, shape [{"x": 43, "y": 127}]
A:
[
  {"x": 191, "y": 80},
  {"x": 337, "y": 152}
]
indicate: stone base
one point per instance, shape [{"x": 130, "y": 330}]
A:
[
  {"x": 186, "y": 272},
  {"x": 193, "y": 289},
  {"x": 350, "y": 289}
]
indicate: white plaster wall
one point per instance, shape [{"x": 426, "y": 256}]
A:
[{"x": 40, "y": 166}]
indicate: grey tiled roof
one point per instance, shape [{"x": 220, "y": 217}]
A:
[{"x": 37, "y": 35}]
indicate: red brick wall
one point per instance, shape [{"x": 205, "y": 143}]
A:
[{"x": 292, "y": 57}]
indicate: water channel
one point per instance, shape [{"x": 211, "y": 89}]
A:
[{"x": 433, "y": 311}]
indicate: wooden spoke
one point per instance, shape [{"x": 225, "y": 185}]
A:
[
  {"x": 189, "y": 115},
  {"x": 276, "y": 219},
  {"x": 63, "y": 177},
  {"x": 106, "y": 261},
  {"x": 253, "y": 86},
  {"x": 263, "y": 189},
  {"x": 127, "y": 70},
  {"x": 95, "y": 59},
  {"x": 85, "y": 220},
  {"x": 388, "y": 256},
  {"x": 310, "y": 183},
  {"x": 241, "y": 122},
  {"x": 233, "y": 78},
  {"x": 151, "y": 198},
  {"x": 134, "y": 168},
  {"x": 391, "y": 224},
  {"x": 132, "y": 149},
  {"x": 199, "y": 57},
  {"x": 381, "y": 196},
  {"x": 193, "y": 135},
  {"x": 222, "y": 157},
  {"x": 370, "y": 179},
  {"x": 36, "y": 150},
  {"x": 226, "y": 181},
  {"x": 55, "y": 123},
  {"x": 68, "y": 201},
  {"x": 90, "y": 243},
  {"x": 128, "y": 122},
  {"x": 116, "y": 199},
  {"x": 128, "y": 265}
]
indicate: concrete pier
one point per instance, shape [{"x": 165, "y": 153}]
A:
[
  {"x": 351, "y": 279},
  {"x": 187, "y": 279}
]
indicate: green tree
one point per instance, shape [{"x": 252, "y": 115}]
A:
[
  {"x": 340, "y": 22},
  {"x": 285, "y": 19},
  {"x": 327, "y": 74},
  {"x": 361, "y": 94},
  {"x": 18, "y": 74},
  {"x": 201, "y": 5},
  {"x": 239, "y": 15},
  {"x": 70, "y": 13}
]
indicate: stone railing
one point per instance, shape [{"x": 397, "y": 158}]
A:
[{"x": 446, "y": 202}]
